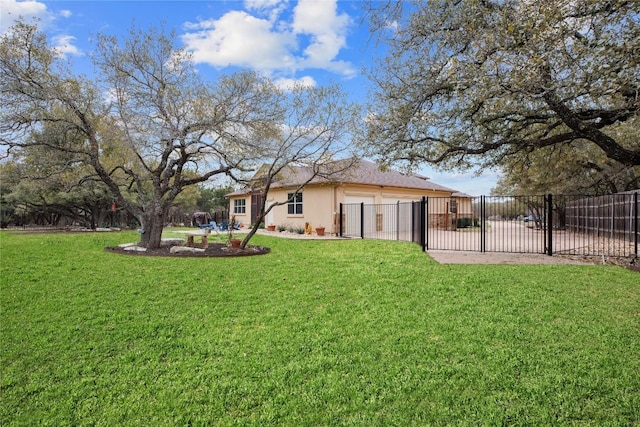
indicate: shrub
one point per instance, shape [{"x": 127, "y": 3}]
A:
[
  {"x": 467, "y": 222},
  {"x": 297, "y": 229}
]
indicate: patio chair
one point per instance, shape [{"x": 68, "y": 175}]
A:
[
  {"x": 224, "y": 226},
  {"x": 213, "y": 226}
]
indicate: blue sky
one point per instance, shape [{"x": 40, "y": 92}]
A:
[{"x": 308, "y": 41}]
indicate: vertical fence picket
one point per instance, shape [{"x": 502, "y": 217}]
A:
[
  {"x": 483, "y": 225},
  {"x": 635, "y": 222},
  {"x": 425, "y": 222},
  {"x": 548, "y": 224}
]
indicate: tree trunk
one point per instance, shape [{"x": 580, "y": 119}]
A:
[
  {"x": 151, "y": 229},
  {"x": 248, "y": 237}
]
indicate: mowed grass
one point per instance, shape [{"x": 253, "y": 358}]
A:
[{"x": 314, "y": 333}]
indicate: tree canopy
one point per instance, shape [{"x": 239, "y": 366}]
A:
[
  {"x": 49, "y": 188},
  {"x": 147, "y": 125},
  {"x": 475, "y": 82},
  {"x": 578, "y": 168},
  {"x": 314, "y": 130}
]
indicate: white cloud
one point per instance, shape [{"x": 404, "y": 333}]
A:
[
  {"x": 288, "y": 84},
  {"x": 63, "y": 46},
  {"x": 328, "y": 32},
  {"x": 263, "y": 4},
  {"x": 11, "y": 10},
  {"x": 270, "y": 8},
  {"x": 37, "y": 13},
  {"x": 275, "y": 43},
  {"x": 392, "y": 25},
  {"x": 240, "y": 39}
]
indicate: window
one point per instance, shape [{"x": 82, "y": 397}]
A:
[
  {"x": 295, "y": 203},
  {"x": 239, "y": 206}
]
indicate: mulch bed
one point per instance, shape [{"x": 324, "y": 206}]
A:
[{"x": 214, "y": 250}]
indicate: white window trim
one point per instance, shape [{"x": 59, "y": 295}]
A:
[
  {"x": 294, "y": 203},
  {"x": 236, "y": 205}
]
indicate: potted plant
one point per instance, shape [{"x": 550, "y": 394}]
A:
[
  {"x": 271, "y": 227},
  {"x": 320, "y": 230}
]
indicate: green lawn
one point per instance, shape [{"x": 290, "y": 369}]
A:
[{"x": 314, "y": 333}]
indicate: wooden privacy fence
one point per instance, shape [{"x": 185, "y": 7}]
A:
[
  {"x": 549, "y": 224},
  {"x": 610, "y": 216}
]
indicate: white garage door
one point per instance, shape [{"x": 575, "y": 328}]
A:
[{"x": 367, "y": 200}]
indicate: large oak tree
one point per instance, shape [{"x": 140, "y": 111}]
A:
[
  {"x": 472, "y": 82},
  {"x": 146, "y": 124}
]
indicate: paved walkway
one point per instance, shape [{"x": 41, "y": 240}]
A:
[
  {"x": 289, "y": 235},
  {"x": 463, "y": 257}
]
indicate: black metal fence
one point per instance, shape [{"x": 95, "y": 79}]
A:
[{"x": 548, "y": 224}]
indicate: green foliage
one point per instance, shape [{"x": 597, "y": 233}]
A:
[
  {"x": 315, "y": 333},
  {"x": 296, "y": 229},
  {"x": 40, "y": 185},
  {"x": 213, "y": 199},
  {"x": 161, "y": 130},
  {"x": 471, "y": 82},
  {"x": 577, "y": 168}
]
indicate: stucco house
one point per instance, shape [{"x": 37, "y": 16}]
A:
[{"x": 318, "y": 203}]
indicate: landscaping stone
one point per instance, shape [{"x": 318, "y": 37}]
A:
[
  {"x": 135, "y": 248},
  {"x": 185, "y": 249},
  {"x": 172, "y": 241},
  {"x": 126, "y": 245}
]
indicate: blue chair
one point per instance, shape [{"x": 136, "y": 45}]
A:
[
  {"x": 210, "y": 226},
  {"x": 224, "y": 226}
]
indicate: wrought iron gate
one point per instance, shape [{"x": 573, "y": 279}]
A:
[{"x": 548, "y": 224}]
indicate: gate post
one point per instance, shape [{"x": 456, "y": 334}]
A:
[
  {"x": 423, "y": 222},
  {"x": 426, "y": 223},
  {"x": 550, "y": 225},
  {"x": 635, "y": 221},
  {"x": 340, "y": 222},
  {"x": 483, "y": 226},
  {"x": 398, "y": 220},
  {"x": 362, "y": 220}
]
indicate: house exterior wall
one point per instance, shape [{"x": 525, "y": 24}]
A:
[
  {"x": 465, "y": 208},
  {"x": 243, "y": 218},
  {"x": 317, "y": 207},
  {"x": 384, "y": 195},
  {"x": 321, "y": 204}
]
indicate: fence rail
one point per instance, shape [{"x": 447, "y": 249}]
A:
[{"x": 549, "y": 224}]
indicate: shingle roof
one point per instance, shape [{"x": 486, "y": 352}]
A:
[
  {"x": 369, "y": 173},
  {"x": 365, "y": 172}
]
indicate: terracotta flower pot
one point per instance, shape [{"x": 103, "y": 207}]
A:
[
  {"x": 320, "y": 231},
  {"x": 271, "y": 227},
  {"x": 235, "y": 243}
]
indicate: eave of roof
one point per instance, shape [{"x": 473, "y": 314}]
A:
[{"x": 365, "y": 173}]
